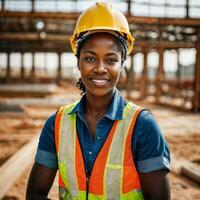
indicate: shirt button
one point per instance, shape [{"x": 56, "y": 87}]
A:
[
  {"x": 100, "y": 125},
  {"x": 98, "y": 138},
  {"x": 90, "y": 152}
]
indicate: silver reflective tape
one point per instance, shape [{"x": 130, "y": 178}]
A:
[
  {"x": 67, "y": 155},
  {"x": 116, "y": 150},
  {"x": 112, "y": 183},
  {"x": 119, "y": 138},
  {"x": 114, "y": 166}
]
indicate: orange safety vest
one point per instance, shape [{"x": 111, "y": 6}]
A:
[{"x": 114, "y": 175}]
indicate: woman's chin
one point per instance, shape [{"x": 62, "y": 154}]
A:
[{"x": 100, "y": 92}]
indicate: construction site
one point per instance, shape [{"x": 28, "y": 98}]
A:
[{"x": 38, "y": 74}]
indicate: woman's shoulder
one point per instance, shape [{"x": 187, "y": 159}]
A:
[
  {"x": 51, "y": 118},
  {"x": 146, "y": 125},
  {"x": 144, "y": 116}
]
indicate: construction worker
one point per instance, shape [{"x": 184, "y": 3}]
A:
[{"x": 103, "y": 146}]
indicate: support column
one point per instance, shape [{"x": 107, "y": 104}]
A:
[
  {"x": 59, "y": 77},
  {"x": 8, "y": 68},
  {"x": 33, "y": 68},
  {"x": 160, "y": 74},
  {"x": 144, "y": 80},
  {"x": 178, "y": 72},
  {"x": 2, "y": 5},
  {"x": 32, "y": 5},
  {"x": 129, "y": 7},
  {"x": 22, "y": 66},
  {"x": 45, "y": 63},
  {"x": 196, "y": 104},
  {"x": 130, "y": 77},
  {"x": 187, "y": 9}
]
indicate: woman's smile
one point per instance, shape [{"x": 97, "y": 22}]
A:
[{"x": 100, "y": 81}]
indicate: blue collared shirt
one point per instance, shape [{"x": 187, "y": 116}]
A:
[{"x": 150, "y": 150}]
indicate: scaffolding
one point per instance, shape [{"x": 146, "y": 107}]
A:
[{"x": 35, "y": 30}]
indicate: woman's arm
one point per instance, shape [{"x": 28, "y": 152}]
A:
[
  {"x": 155, "y": 185},
  {"x": 40, "y": 182},
  {"x": 152, "y": 158}
]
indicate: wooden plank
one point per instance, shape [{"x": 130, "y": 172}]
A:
[
  {"x": 11, "y": 108},
  {"x": 40, "y": 15},
  {"x": 21, "y": 42},
  {"x": 186, "y": 168},
  {"x": 38, "y": 102},
  {"x": 13, "y": 168},
  {"x": 191, "y": 171},
  {"x": 32, "y": 36},
  {"x": 164, "y": 44},
  {"x": 75, "y": 15},
  {"x": 43, "y": 89}
]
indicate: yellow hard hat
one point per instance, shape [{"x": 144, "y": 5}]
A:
[{"x": 102, "y": 16}]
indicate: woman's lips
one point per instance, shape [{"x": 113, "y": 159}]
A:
[{"x": 99, "y": 81}]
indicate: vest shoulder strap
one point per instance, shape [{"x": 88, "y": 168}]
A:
[
  {"x": 59, "y": 115},
  {"x": 131, "y": 108},
  {"x": 69, "y": 108}
]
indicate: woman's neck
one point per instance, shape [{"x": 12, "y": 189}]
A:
[{"x": 97, "y": 105}]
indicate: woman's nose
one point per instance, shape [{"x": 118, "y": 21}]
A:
[{"x": 100, "y": 67}]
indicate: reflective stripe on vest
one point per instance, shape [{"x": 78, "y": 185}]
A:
[{"x": 113, "y": 176}]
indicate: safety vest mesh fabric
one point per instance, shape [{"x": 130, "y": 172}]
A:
[{"x": 114, "y": 175}]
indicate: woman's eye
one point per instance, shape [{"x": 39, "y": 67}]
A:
[
  {"x": 111, "y": 60},
  {"x": 90, "y": 59}
]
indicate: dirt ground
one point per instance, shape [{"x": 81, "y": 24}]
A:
[{"x": 181, "y": 130}]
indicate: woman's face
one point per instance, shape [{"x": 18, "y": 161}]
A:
[{"x": 100, "y": 64}]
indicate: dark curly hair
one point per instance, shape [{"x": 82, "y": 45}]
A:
[
  {"x": 122, "y": 48},
  {"x": 81, "y": 86}
]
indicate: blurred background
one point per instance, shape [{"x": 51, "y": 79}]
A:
[{"x": 38, "y": 74}]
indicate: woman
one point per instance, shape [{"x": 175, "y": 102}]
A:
[{"x": 103, "y": 146}]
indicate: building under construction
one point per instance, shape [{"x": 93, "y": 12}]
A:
[{"x": 38, "y": 29}]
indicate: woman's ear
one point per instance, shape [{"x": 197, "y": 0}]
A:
[
  {"x": 123, "y": 64},
  {"x": 78, "y": 64}
]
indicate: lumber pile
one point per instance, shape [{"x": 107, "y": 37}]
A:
[
  {"x": 13, "y": 168},
  {"x": 186, "y": 168}
]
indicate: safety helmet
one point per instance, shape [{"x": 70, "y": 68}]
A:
[{"x": 102, "y": 17}]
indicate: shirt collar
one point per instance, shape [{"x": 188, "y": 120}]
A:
[
  {"x": 79, "y": 106},
  {"x": 115, "y": 110}
]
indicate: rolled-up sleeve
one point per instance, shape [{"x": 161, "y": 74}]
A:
[
  {"x": 150, "y": 149},
  {"x": 47, "y": 159},
  {"x": 46, "y": 152}
]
